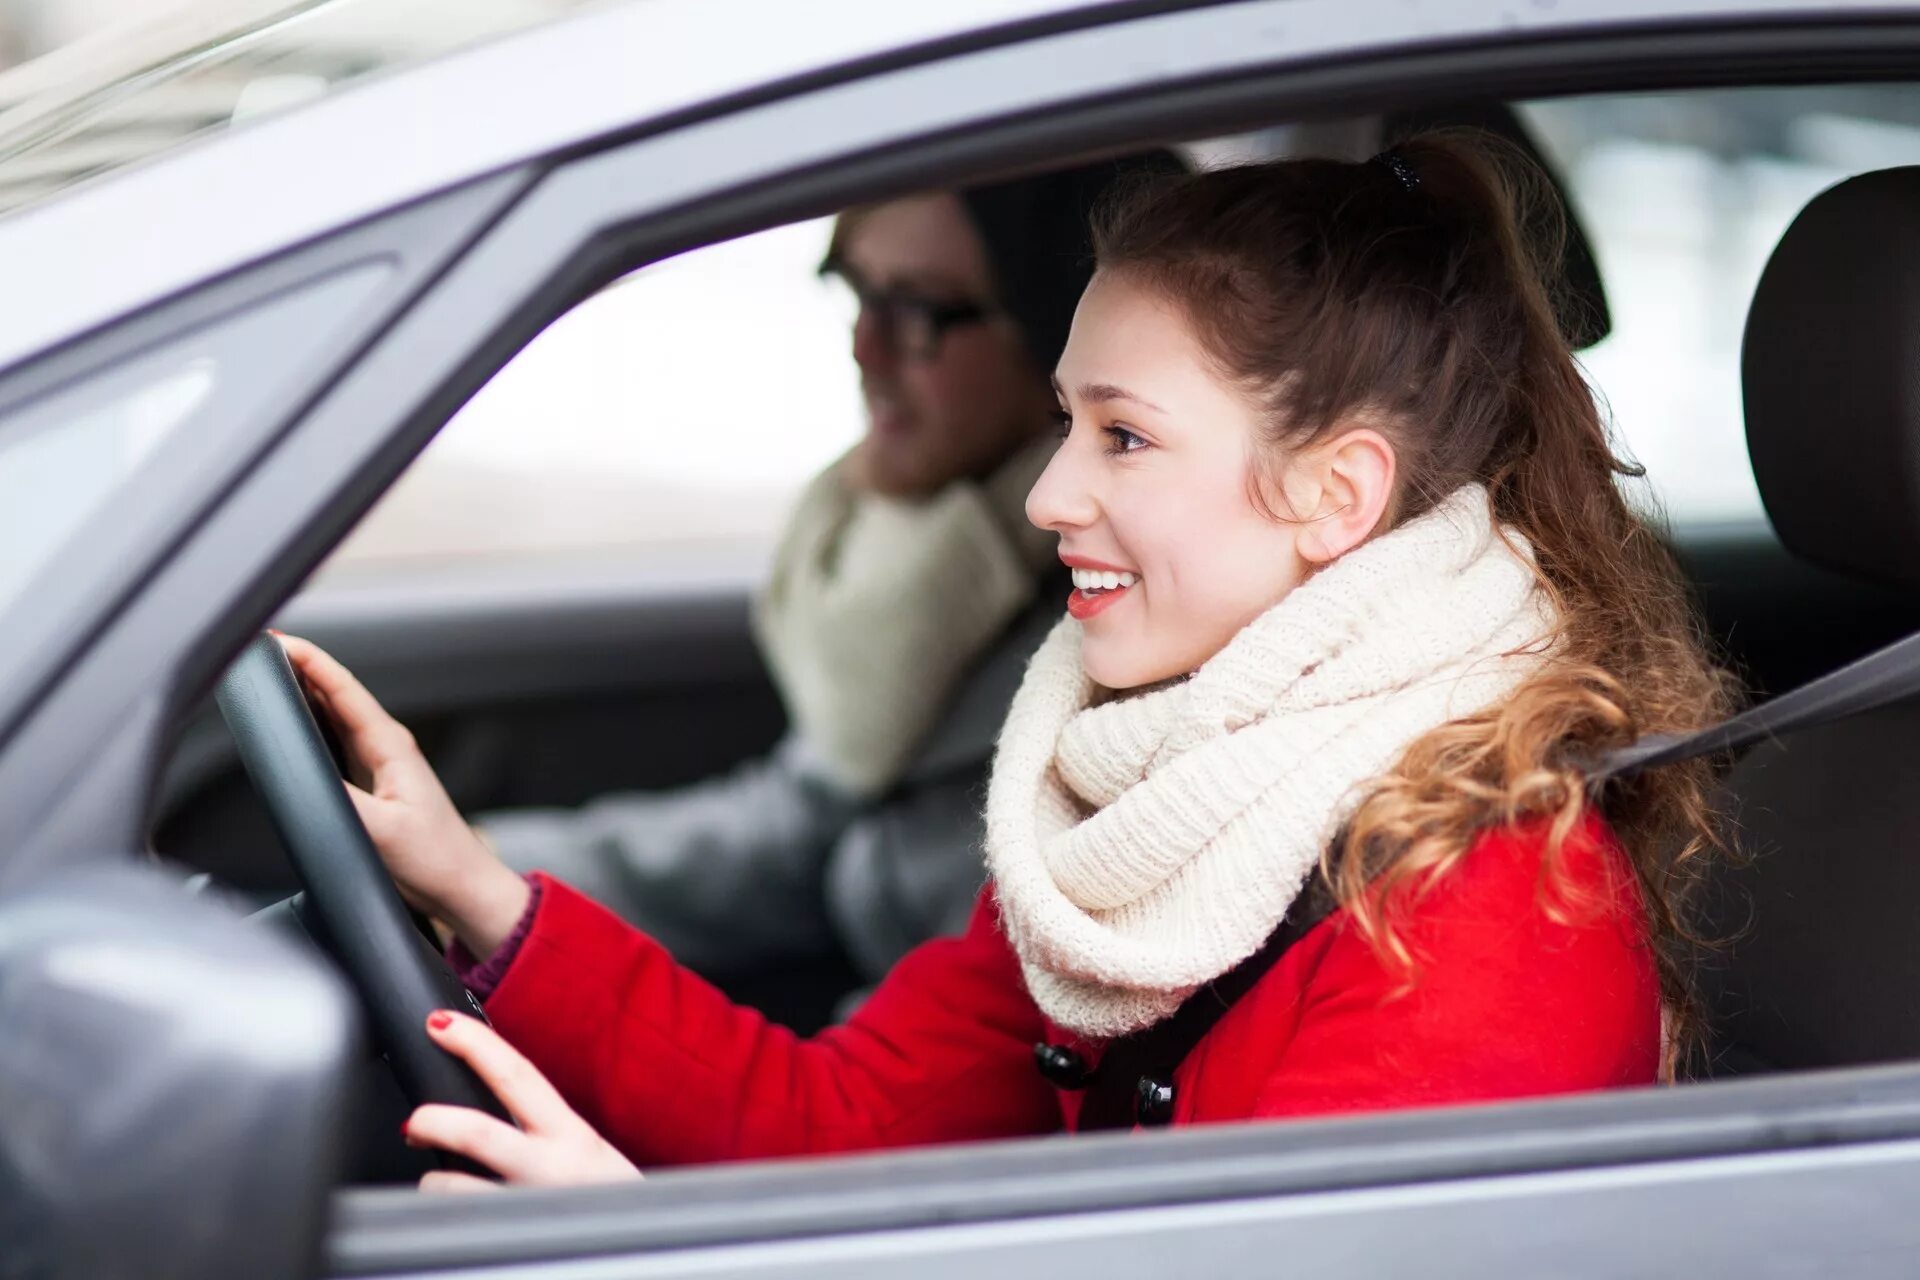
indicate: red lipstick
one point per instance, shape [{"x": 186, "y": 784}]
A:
[{"x": 1083, "y": 606}]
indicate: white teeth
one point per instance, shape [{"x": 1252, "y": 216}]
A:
[{"x": 1102, "y": 580}]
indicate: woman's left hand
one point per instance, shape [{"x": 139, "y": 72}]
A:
[{"x": 553, "y": 1147}]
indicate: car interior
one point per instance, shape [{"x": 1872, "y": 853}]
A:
[{"x": 549, "y": 680}]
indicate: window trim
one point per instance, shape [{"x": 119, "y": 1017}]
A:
[{"x": 1815, "y": 1116}]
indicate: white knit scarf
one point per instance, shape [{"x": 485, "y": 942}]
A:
[
  {"x": 878, "y": 606},
  {"x": 1144, "y": 845}
]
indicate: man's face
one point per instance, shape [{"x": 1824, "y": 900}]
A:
[{"x": 957, "y": 405}]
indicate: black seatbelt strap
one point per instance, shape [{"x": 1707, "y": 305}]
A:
[
  {"x": 1884, "y": 676},
  {"x": 1133, "y": 1083}
]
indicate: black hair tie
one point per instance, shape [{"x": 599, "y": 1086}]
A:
[{"x": 1396, "y": 164}]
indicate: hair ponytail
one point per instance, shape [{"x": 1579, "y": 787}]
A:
[{"x": 1337, "y": 292}]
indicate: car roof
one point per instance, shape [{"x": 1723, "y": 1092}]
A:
[{"x": 141, "y": 234}]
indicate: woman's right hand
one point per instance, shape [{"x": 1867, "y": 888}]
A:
[{"x": 440, "y": 864}]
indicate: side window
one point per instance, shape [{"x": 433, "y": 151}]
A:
[
  {"x": 676, "y": 412},
  {"x": 80, "y": 459},
  {"x": 1684, "y": 197}
]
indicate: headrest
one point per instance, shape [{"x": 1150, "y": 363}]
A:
[{"x": 1830, "y": 371}]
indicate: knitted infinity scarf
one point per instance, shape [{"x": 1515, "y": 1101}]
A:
[
  {"x": 878, "y": 606},
  {"x": 1143, "y": 846}
]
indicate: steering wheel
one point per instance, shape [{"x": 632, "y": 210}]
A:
[{"x": 351, "y": 905}]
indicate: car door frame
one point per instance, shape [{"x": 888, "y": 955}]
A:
[
  {"x": 1789, "y": 1171},
  {"x": 592, "y": 215}
]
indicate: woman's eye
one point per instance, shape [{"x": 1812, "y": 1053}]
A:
[
  {"x": 1062, "y": 421},
  {"x": 1121, "y": 440}
]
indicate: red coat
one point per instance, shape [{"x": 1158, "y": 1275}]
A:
[{"x": 1509, "y": 1000}]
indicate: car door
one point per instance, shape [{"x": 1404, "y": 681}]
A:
[{"x": 1769, "y": 1174}]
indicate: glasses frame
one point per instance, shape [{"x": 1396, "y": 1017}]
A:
[{"x": 912, "y": 324}]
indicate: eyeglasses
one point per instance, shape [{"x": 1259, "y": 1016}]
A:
[{"x": 912, "y": 324}]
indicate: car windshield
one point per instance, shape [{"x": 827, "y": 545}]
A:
[{"x": 136, "y": 89}]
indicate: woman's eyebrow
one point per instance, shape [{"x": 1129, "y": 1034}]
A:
[{"x": 1104, "y": 392}]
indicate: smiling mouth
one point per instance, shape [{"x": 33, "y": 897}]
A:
[{"x": 1097, "y": 590}]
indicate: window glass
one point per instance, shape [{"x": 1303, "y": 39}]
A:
[
  {"x": 1684, "y": 197},
  {"x": 99, "y": 454},
  {"x": 52, "y": 482},
  {"x": 154, "y": 83},
  {"x": 682, "y": 408}
]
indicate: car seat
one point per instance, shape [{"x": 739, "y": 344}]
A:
[{"x": 1818, "y": 964}]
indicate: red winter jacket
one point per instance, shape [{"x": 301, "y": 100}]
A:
[{"x": 1512, "y": 997}]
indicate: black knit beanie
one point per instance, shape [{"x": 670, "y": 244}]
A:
[{"x": 1040, "y": 244}]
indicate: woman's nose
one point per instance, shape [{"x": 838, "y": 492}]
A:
[{"x": 1062, "y": 499}]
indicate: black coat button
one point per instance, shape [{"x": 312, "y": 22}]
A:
[
  {"x": 1153, "y": 1102},
  {"x": 1061, "y": 1066}
]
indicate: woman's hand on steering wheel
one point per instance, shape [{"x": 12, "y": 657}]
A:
[
  {"x": 438, "y": 861},
  {"x": 553, "y": 1147}
]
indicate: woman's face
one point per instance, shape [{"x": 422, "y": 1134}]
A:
[
  {"x": 957, "y": 410},
  {"x": 1154, "y": 481}
]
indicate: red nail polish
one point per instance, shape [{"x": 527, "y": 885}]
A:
[
  {"x": 440, "y": 1020},
  {"x": 404, "y": 1124}
]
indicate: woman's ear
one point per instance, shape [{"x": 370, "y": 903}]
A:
[{"x": 1352, "y": 477}]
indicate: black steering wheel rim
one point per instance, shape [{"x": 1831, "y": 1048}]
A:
[{"x": 360, "y": 917}]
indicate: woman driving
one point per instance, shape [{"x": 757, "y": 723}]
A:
[
  {"x": 859, "y": 834},
  {"x": 1355, "y": 597}
]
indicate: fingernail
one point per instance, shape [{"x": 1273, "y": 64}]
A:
[
  {"x": 439, "y": 1020},
  {"x": 272, "y": 632},
  {"x": 404, "y": 1125}
]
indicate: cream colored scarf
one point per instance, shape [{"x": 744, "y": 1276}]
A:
[
  {"x": 1141, "y": 847},
  {"x": 878, "y": 606}
]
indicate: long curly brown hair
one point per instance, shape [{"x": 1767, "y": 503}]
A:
[{"x": 1413, "y": 291}]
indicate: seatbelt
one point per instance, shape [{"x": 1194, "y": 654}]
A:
[
  {"x": 1884, "y": 676},
  {"x": 1133, "y": 1083}
]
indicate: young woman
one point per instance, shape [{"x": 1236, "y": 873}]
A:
[
  {"x": 859, "y": 834},
  {"x": 1355, "y": 590}
]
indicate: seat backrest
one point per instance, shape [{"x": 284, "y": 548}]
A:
[{"x": 1820, "y": 965}]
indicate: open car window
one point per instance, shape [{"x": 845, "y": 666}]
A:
[
  {"x": 679, "y": 411},
  {"x": 1684, "y": 196}
]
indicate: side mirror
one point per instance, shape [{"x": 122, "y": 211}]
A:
[{"x": 172, "y": 1082}]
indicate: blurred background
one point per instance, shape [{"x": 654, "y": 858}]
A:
[{"x": 678, "y": 411}]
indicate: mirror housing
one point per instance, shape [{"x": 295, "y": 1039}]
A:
[{"x": 173, "y": 1084}]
